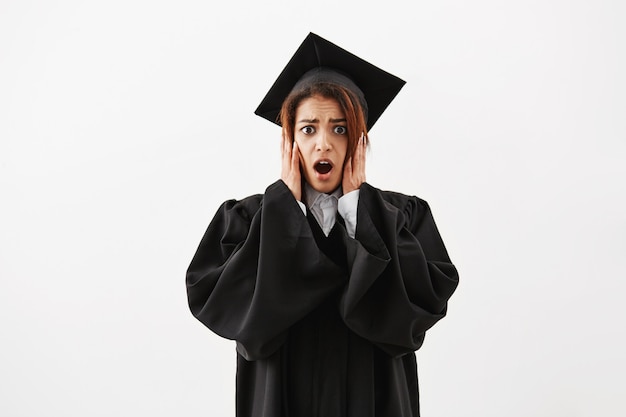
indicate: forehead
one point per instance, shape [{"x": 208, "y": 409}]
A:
[{"x": 318, "y": 106}]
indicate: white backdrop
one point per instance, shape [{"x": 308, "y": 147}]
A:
[{"x": 124, "y": 124}]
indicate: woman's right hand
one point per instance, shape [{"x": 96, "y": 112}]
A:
[{"x": 290, "y": 173}]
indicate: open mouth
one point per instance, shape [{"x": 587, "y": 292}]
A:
[{"x": 323, "y": 167}]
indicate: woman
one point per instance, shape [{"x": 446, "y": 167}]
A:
[{"x": 326, "y": 283}]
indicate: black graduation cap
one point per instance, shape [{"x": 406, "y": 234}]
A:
[{"x": 320, "y": 60}]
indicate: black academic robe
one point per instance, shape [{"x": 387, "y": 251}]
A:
[{"x": 324, "y": 326}]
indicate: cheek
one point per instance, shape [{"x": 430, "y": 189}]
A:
[
  {"x": 303, "y": 150},
  {"x": 299, "y": 139},
  {"x": 301, "y": 145},
  {"x": 342, "y": 149}
]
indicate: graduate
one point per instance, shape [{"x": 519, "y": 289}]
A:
[{"x": 326, "y": 283}]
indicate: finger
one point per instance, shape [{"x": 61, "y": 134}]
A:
[
  {"x": 363, "y": 153},
  {"x": 295, "y": 157},
  {"x": 347, "y": 169},
  {"x": 358, "y": 146},
  {"x": 358, "y": 156},
  {"x": 285, "y": 157},
  {"x": 359, "y": 162},
  {"x": 286, "y": 149}
]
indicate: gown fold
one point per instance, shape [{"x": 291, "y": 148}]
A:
[{"x": 324, "y": 326}]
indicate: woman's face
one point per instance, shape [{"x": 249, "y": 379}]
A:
[{"x": 321, "y": 134}]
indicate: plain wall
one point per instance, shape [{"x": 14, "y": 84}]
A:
[{"x": 125, "y": 124}]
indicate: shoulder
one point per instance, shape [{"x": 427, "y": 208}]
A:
[
  {"x": 251, "y": 204},
  {"x": 248, "y": 207},
  {"x": 396, "y": 199},
  {"x": 244, "y": 208},
  {"x": 406, "y": 210}
]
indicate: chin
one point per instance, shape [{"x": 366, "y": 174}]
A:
[{"x": 324, "y": 187}]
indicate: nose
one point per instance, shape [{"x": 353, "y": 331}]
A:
[{"x": 323, "y": 142}]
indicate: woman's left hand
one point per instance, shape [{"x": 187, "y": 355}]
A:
[{"x": 354, "y": 168}]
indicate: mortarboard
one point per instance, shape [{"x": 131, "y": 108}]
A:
[{"x": 320, "y": 60}]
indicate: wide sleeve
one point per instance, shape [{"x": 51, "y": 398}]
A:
[
  {"x": 257, "y": 271},
  {"x": 400, "y": 275}
]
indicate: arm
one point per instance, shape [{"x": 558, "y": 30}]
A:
[
  {"x": 401, "y": 276},
  {"x": 257, "y": 271}
]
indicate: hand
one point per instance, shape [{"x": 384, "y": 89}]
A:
[
  {"x": 290, "y": 173},
  {"x": 354, "y": 168}
]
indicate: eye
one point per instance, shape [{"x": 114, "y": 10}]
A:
[
  {"x": 340, "y": 130},
  {"x": 308, "y": 130}
]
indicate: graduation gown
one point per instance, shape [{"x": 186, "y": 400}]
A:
[{"x": 324, "y": 326}]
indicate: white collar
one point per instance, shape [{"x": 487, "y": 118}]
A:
[{"x": 314, "y": 197}]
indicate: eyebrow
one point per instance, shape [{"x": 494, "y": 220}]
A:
[{"x": 317, "y": 120}]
